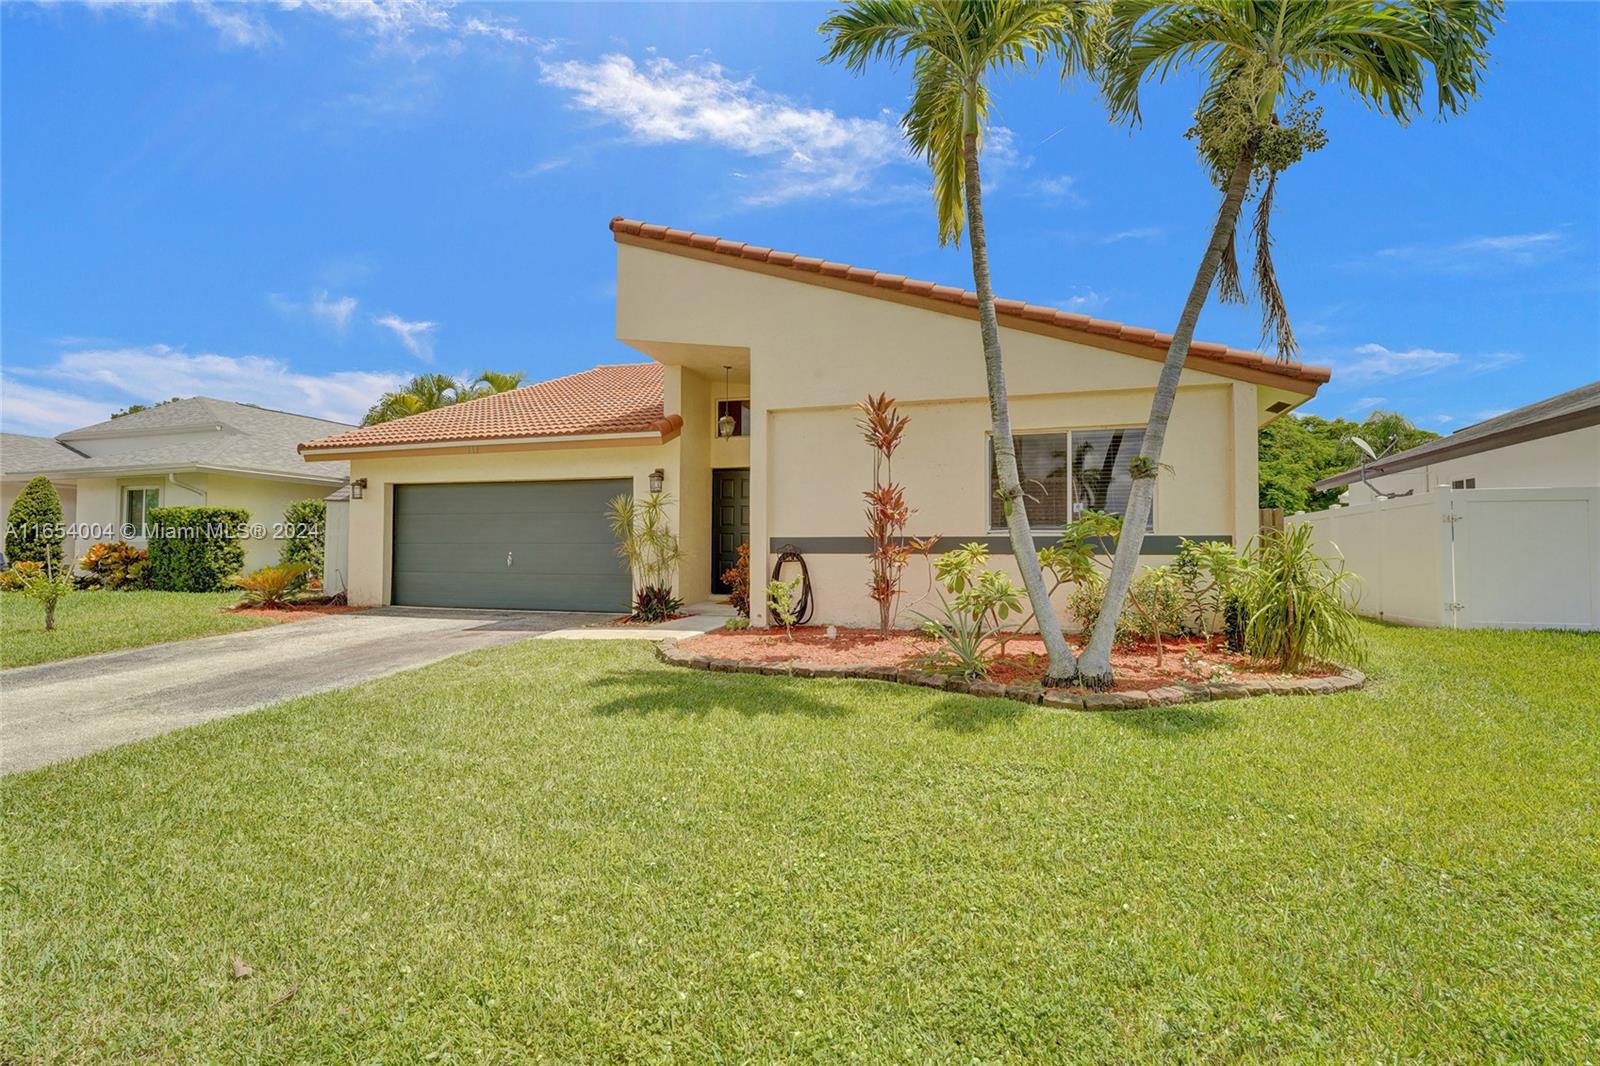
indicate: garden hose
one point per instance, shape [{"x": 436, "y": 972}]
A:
[{"x": 802, "y": 607}]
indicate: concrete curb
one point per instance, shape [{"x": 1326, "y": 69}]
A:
[{"x": 1059, "y": 699}]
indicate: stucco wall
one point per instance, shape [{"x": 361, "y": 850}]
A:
[
  {"x": 812, "y": 352},
  {"x": 371, "y": 518},
  {"x": 100, "y": 504},
  {"x": 1566, "y": 460}
]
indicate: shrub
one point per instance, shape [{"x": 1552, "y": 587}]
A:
[
  {"x": 736, "y": 624},
  {"x": 49, "y": 584},
  {"x": 645, "y": 539},
  {"x": 781, "y": 603},
  {"x": 17, "y": 576},
  {"x": 1154, "y": 607},
  {"x": 305, "y": 523},
  {"x": 966, "y": 640},
  {"x": 1085, "y": 600},
  {"x": 1295, "y": 604},
  {"x": 34, "y": 527},
  {"x": 270, "y": 586},
  {"x": 655, "y": 603},
  {"x": 118, "y": 565},
  {"x": 737, "y": 578},
  {"x": 195, "y": 549}
]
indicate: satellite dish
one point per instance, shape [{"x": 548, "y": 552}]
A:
[{"x": 1366, "y": 449}]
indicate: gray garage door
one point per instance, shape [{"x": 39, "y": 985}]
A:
[{"x": 527, "y": 545}]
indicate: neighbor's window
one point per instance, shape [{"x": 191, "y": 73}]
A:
[
  {"x": 140, "y": 502},
  {"x": 1464, "y": 483},
  {"x": 739, "y": 411},
  {"x": 1065, "y": 474}
]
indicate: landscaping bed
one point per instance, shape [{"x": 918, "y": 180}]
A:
[
  {"x": 294, "y": 611},
  {"x": 1188, "y": 670}
]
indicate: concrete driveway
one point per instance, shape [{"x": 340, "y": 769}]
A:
[{"x": 57, "y": 711}]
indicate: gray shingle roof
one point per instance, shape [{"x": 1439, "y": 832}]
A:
[
  {"x": 19, "y": 452},
  {"x": 1559, "y": 414},
  {"x": 221, "y": 435}
]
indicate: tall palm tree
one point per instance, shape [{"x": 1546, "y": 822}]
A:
[
  {"x": 953, "y": 46},
  {"x": 1255, "y": 57}
]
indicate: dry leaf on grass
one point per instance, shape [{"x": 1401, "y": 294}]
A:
[{"x": 241, "y": 969}]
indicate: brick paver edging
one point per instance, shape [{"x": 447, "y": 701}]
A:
[{"x": 1182, "y": 692}]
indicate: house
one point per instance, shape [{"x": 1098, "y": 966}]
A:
[
  {"x": 193, "y": 452},
  {"x": 1496, "y": 526},
  {"x": 501, "y": 501},
  {"x": 1554, "y": 442}
]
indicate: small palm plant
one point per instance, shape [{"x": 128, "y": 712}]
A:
[
  {"x": 1257, "y": 59},
  {"x": 270, "y": 586},
  {"x": 645, "y": 539}
]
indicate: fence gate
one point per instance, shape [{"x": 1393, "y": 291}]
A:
[{"x": 1521, "y": 558}]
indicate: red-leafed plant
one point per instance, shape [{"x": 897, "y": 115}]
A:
[
  {"x": 737, "y": 578},
  {"x": 883, "y": 426}
]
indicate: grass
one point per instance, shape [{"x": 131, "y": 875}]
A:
[
  {"x": 570, "y": 852},
  {"x": 90, "y": 622}
]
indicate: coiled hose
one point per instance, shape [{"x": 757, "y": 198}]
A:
[{"x": 791, "y": 554}]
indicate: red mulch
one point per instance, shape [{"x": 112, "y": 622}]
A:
[
  {"x": 1134, "y": 666},
  {"x": 295, "y": 611}
]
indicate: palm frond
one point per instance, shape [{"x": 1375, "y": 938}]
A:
[{"x": 1274, "y": 309}]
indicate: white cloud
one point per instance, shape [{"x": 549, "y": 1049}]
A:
[
  {"x": 238, "y": 25},
  {"x": 333, "y": 311},
  {"x": 1494, "y": 361},
  {"x": 1367, "y": 402},
  {"x": 505, "y": 32},
  {"x": 1084, "y": 302},
  {"x": 1137, "y": 233},
  {"x": 1378, "y": 363},
  {"x": 813, "y": 151},
  {"x": 85, "y": 386},
  {"x": 1060, "y": 187},
  {"x": 336, "y": 312},
  {"x": 1439, "y": 420},
  {"x": 1479, "y": 253},
  {"x": 382, "y": 18},
  {"x": 416, "y": 336}
]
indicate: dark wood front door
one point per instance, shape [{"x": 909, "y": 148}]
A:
[{"x": 730, "y": 521}]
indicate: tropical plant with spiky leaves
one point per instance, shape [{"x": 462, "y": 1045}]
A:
[
  {"x": 953, "y": 48},
  {"x": 1259, "y": 60},
  {"x": 884, "y": 427}
]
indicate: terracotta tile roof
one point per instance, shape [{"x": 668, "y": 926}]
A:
[
  {"x": 624, "y": 398},
  {"x": 874, "y": 282}
]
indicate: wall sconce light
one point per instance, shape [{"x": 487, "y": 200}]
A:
[
  {"x": 725, "y": 424},
  {"x": 358, "y": 488},
  {"x": 658, "y": 478}
]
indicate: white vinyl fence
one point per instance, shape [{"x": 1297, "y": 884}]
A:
[{"x": 1472, "y": 559}]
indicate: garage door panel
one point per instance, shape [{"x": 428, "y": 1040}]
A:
[{"x": 451, "y": 543}]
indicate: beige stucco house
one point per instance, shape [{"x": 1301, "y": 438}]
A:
[
  {"x": 499, "y": 501},
  {"x": 187, "y": 453}
]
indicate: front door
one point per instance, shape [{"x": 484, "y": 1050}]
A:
[{"x": 730, "y": 521}]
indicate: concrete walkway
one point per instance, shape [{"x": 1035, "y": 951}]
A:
[{"x": 58, "y": 711}]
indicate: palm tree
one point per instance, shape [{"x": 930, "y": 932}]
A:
[
  {"x": 1251, "y": 124},
  {"x": 428, "y": 392},
  {"x": 489, "y": 382},
  {"x": 953, "y": 46}
]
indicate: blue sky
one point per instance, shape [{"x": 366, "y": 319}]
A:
[{"x": 300, "y": 204}]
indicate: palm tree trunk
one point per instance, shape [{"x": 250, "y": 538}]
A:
[
  {"x": 1063, "y": 667},
  {"x": 1094, "y": 667}
]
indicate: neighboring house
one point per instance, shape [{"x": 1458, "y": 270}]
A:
[
  {"x": 193, "y": 452},
  {"x": 1552, "y": 443},
  {"x": 500, "y": 501},
  {"x": 1495, "y": 526}
]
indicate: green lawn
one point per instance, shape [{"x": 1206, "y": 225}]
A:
[
  {"x": 90, "y": 622},
  {"x": 569, "y": 851}
]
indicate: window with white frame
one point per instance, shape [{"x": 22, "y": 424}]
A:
[
  {"x": 137, "y": 505},
  {"x": 1464, "y": 483},
  {"x": 1065, "y": 473}
]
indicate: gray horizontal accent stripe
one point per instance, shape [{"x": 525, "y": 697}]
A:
[{"x": 1154, "y": 543}]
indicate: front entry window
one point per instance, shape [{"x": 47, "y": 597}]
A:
[{"x": 136, "y": 511}]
